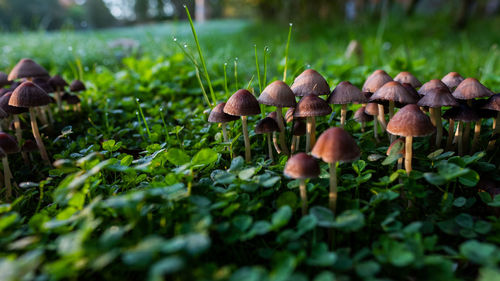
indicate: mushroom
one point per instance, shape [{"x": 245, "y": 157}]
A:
[
  {"x": 29, "y": 146},
  {"x": 29, "y": 95},
  {"x": 299, "y": 129},
  {"x": 436, "y": 98},
  {"x": 376, "y": 80},
  {"x": 462, "y": 113},
  {"x": 335, "y": 145},
  {"x": 4, "y": 80},
  {"x": 310, "y": 82},
  {"x": 44, "y": 110},
  {"x": 8, "y": 145},
  {"x": 407, "y": 77},
  {"x": 362, "y": 117},
  {"x": 452, "y": 80},
  {"x": 14, "y": 111},
  {"x": 58, "y": 83},
  {"x": 311, "y": 106},
  {"x": 29, "y": 69},
  {"x": 344, "y": 94},
  {"x": 273, "y": 115},
  {"x": 217, "y": 115},
  {"x": 302, "y": 166},
  {"x": 494, "y": 104},
  {"x": 289, "y": 114},
  {"x": 280, "y": 95},
  {"x": 77, "y": 86},
  {"x": 73, "y": 100},
  {"x": 432, "y": 84},
  {"x": 267, "y": 126},
  {"x": 410, "y": 122},
  {"x": 243, "y": 104},
  {"x": 372, "y": 110}
]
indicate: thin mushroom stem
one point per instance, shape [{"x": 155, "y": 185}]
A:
[
  {"x": 466, "y": 136},
  {"x": 475, "y": 139},
  {"x": 38, "y": 138},
  {"x": 332, "y": 196},
  {"x": 270, "y": 147},
  {"x": 343, "y": 115},
  {"x": 313, "y": 131},
  {"x": 309, "y": 128},
  {"x": 391, "y": 109},
  {"x": 275, "y": 142},
  {"x": 381, "y": 117},
  {"x": 439, "y": 125},
  {"x": 363, "y": 124},
  {"x": 496, "y": 130},
  {"x": 7, "y": 177},
  {"x": 281, "y": 125},
  {"x": 293, "y": 148},
  {"x": 460, "y": 129},
  {"x": 433, "y": 115},
  {"x": 19, "y": 137},
  {"x": 43, "y": 116},
  {"x": 298, "y": 142},
  {"x": 408, "y": 153},
  {"x": 303, "y": 196},
  {"x": 248, "y": 153},
  {"x": 451, "y": 129},
  {"x": 224, "y": 132}
]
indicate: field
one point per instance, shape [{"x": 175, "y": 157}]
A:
[{"x": 143, "y": 187}]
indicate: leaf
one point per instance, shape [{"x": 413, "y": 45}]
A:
[
  {"x": 165, "y": 266},
  {"x": 469, "y": 179},
  {"x": 350, "y": 220},
  {"x": 459, "y": 202},
  {"x": 306, "y": 223},
  {"x": 177, "y": 157},
  {"x": 205, "y": 156},
  {"x": 281, "y": 217},
  {"x": 321, "y": 257},
  {"x": 287, "y": 198},
  {"x": 495, "y": 202},
  {"x": 359, "y": 166},
  {"x": 480, "y": 253},
  {"x": 434, "y": 178},
  {"x": 323, "y": 215},
  {"x": 465, "y": 220},
  {"x": 247, "y": 173},
  {"x": 435, "y": 154},
  {"x": 367, "y": 269}
]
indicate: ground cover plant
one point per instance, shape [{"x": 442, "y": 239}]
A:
[{"x": 143, "y": 186}]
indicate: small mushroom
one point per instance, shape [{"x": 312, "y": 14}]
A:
[
  {"x": 243, "y": 104},
  {"x": 302, "y": 166},
  {"x": 344, "y": 94},
  {"x": 267, "y": 126},
  {"x": 8, "y": 145},
  {"x": 310, "y": 82},
  {"x": 77, "y": 86},
  {"x": 15, "y": 112},
  {"x": 362, "y": 117},
  {"x": 29, "y": 69},
  {"x": 299, "y": 129},
  {"x": 58, "y": 83},
  {"x": 309, "y": 107},
  {"x": 407, "y": 77},
  {"x": 372, "y": 110},
  {"x": 431, "y": 85},
  {"x": 494, "y": 104},
  {"x": 452, "y": 80},
  {"x": 374, "y": 82},
  {"x": 217, "y": 115}
]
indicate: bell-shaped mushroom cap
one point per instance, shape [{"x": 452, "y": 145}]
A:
[
  {"x": 27, "y": 68},
  {"x": 470, "y": 88},
  {"x": 346, "y": 93},
  {"x": 72, "y": 99},
  {"x": 277, "y": 94},
  {"x": 301, "y": 166},
  {"x": 57, "y": 81},
  {"x": 461, "y": 113},
  {"x": 431, "y": 85},
  {"x": 411, "y": 90},
  {"x": 397, "y": 143},
  {"x": 493, "y": 103},
  {"x": 312, "y": 105},
  {"x": 336, "y": 145},
  {"x": 266, "y": 125},
  {"x": 407, "y": 77},
  {"x": 393, "y": 91},
  {"x": 371, "y": 109},
  {"x": 29, "y": 146},
  {"x": 452, "y": 80},
  {"x": 77, "y": 86},
  {"x": 410, "y": 121},
  {"x": 29, "y": 95},
  {"x": 8, "y": 143},
  {"x": 217, "y": 115},
  {"x": 310, "y": 82},
  {"x": 376, "y": 80},
  {"x": 289, "y": 114},
  {"x": 44, "y": 84},
  {"x": 438, "y": 97},
  {"x": 4, "y": 81},
  {"x": 299, "y": 127},
  {"x": 242, "y": 103},
  {"x": 13, "y": 110},
  {"x": 361, "y": 116}
]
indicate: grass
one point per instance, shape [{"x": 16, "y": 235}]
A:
[{"x": 116, "y": 205}]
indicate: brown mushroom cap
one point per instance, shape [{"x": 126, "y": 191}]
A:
[
  {"x": 312, "y": 105},
  {"x": 398, "y": 141},
  {"x": 13, "y": 110},
  {"x": 371, "y": 109},
  {"x": 461, "y": 113},
  {"x": 29, "y": 146},
  {"x": 393, "y": 91},
  {"x": 289, "y": 114},
  {"x": 301, "y": 166},
  {"x": 411, "y": 90},
  {"x": 242, "y": 103},
  {"x": 336, "y": 145},
  {"x": 27, "y": 68},
  {"x": 361, "y": 116},
  {"x": 310, "y": 82},
  {"x": 217, "y": 115},
  {"x": 438, "y": 97},
  {"x": 431, "y": 85},
  {"x": 57, "y": 81},
  {"x": 8, "y": 143},
  {"x": 346, "y": 93},
  {"x": 376, "y": 80},
  {"x": 277, "y": 94},
  {"x": 410, "y": 121},
  {"x": 470, "y": 88},
  {"x": 4, "y": 80},
  {"x": 77, "y": 86},
  {"x": 299, "y": 127},
  {"x": 452, "y": 80},
  {"x": 493, "y": 103},
  {"x": 72, "y": 99},
  {"x": 407, "y": 77},
  {"x": 266, "y": 125},
  {"x": 44, "y": 84},
  {"x": 29, "y": 95}
]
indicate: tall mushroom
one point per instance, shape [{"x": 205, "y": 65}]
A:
[
  {"x": 280, "y": 95},
  {"x": 267, "y": 126},
  {"x": 243, "y": 104},
  {"x": 452, "y": 80},
  {"x": 310, "y": 82},
  {"x": 374, "y": 82},
  {"x": 494, "y": 104},
  {"x": 217, "y": 115},
  {"x": 311, "y": 106},
  {"x": 8, "y": 145},
  {"x": 14, "y": 111},
  {"x": 29, "y": 69},
  {"x": 410, "y": 122},
  {"x": 58, "y": 83},
  {"x": 335, "y": 145},
  {"x": 302, "y": 166},
  {"x": 463, "y": 114},
  {"x": 29, "y": 95},
  {"x": 407, "y": 77},
  {"x": 344, "y": 94}
]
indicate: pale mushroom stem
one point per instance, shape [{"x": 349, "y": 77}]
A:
[
  {"x": 224, "y": 132},
  {"x": 298, "y": 143},
  {"x": 281, "y": 125},
  {"x": 7, "y": 177},
  {"x": 275, "y": 142},
  {"x": 439, "y": 125},
  {"x": 303, "y": 196},
  {"x": 391, "y": 109},
  {"x": 343, "y": 115},
  {"x": 43, "y": 116},
  {"x": 50, "y": 114},
  {"x": 400, "y": 163},
  {"x": 38, "y": 138},
  {"x": 309, "y": 128},
  {"x": 248, "y": 153},
  {"x": 270, "y": 147},
  {"x": 475, "y": 139},
  {"x": 332, "y": 196},
  {"x": 313, "y": 131},
  {"x": 19, "y": 137},
  {"x": 451, "y": 130},
  {"x": 496, "y": 130},
  {"x": 381, "y": 117},
  {"x": 408, "y": 153},
  {"x": 460, "y": 129},
  {"x": 293, "y": 148},
  {"x": 433, "y": 116}
]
